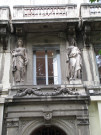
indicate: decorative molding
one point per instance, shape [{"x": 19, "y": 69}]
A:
[
  {"x": 47, "y": 115},
  {"x": 12, "y": 124},
  {"x": 46, "y": 12},
  {"x": 23, "y": 123},
  {"x": 96, "y": 92},
  {"x": 83, "y": 122},
  {"x": 72, "y": 122},
  {"x": 69, "y": 121},
  {"x": 3, "y": 31},
  {"x": 38, "y": 92}
]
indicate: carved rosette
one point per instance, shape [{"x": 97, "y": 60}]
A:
[{"x": 47, "y": 115}]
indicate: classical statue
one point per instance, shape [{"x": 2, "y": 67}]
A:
[
  {"x": 19, "y": 62},
  {"x": 74, "y": 60}
]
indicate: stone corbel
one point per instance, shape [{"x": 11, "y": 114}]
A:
[
  {"x": 3, "y": 37},
  {"x": 62, "y": 35},
  {"x": 80, "y": 23},
  {"x": 86, "y": 36},
  {"x": 19, "y": 31},
  {"x": 71, "y": 32},
  {"x": 11, "y": 26}
]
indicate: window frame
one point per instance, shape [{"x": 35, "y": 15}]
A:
[
  {"x": 96, "y": 49},
  {"x": 46, "y": 48}
]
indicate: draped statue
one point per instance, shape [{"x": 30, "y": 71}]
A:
[
  {"x": 19, "y": 62},
  {"x": 74, "y": 60}
]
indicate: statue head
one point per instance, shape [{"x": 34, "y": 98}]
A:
[
  {"x": 20, "y": 42},
  {"x": 72, "y": 42}
]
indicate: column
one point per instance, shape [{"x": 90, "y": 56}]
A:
[
  {"x": 87, "y": 64},
  {"x": 1, "y": 114}
]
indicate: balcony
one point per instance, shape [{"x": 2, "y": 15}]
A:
[
  {"x": 51, "y": 13},
  {"x": 91, "y": 12},
  {"x": 42, "y": 13},
  {"x": 4, "y": 14}
]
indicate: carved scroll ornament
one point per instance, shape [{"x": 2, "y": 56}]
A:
[{"x": 38, "y": 92}]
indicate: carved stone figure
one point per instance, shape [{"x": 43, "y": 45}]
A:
[
  {"x": 74, "y": 60},
  {"x": 20, "y": 61}
]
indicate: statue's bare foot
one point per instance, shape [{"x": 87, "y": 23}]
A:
[
  {"x": 22, "y": 80},
  {"x": 72, "y": 79},
  {"x": 17, "y": 80}
]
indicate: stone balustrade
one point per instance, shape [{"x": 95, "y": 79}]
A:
[
  {"x": 90, "y": 10},
  {"x": 45, "y": 12},
  {"x": 4, "y": 13},
  {"x": 69, "y": 11}
]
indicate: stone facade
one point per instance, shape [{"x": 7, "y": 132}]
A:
[{"x": 55, "y": 101}]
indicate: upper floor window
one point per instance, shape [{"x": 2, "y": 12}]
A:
[{"x": 46, "y": 66}]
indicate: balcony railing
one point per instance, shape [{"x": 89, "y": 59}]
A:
[
  {"x": 45, "y": 12},
  {"x": 91, "y": 10},
  {"x": 88, "y": 11},
  {"x": 4, "y": 13}
]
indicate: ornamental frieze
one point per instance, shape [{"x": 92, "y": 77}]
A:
[{"x": 39, "y": 92}]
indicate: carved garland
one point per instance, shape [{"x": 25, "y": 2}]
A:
[{"x": 38, "y": 92}]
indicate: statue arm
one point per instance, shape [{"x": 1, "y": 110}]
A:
[
  {"x": 26, "y": 58},
  {"x": 13, "y": 53},
  {"x": 72, "y": 55},
  {"x": 67, "y": 58}
]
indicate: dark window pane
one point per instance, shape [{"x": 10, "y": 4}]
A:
[
  {"x": 50, "y": 66},
  {"x": 41, "y": 80},
  {"x": 42, "y": 58},
  {"x": 48, "y": 131},
  {"x": 98, "y": 59},
  {"x": 40, "y": 66},
  {"x": 51, "y": 80},
  {"x": 40, "y": 53},
  {"x": 50, "y": 53}
]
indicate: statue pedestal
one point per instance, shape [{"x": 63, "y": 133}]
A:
[{"x": 77, "y": 81}]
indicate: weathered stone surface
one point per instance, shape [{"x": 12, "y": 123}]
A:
[{"x": 28, "y": 107}]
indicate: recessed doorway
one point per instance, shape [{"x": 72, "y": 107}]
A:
[{"x": 52, "y": 130}]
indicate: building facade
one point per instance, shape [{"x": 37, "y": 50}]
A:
[{"x": 50, "y": 68}]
